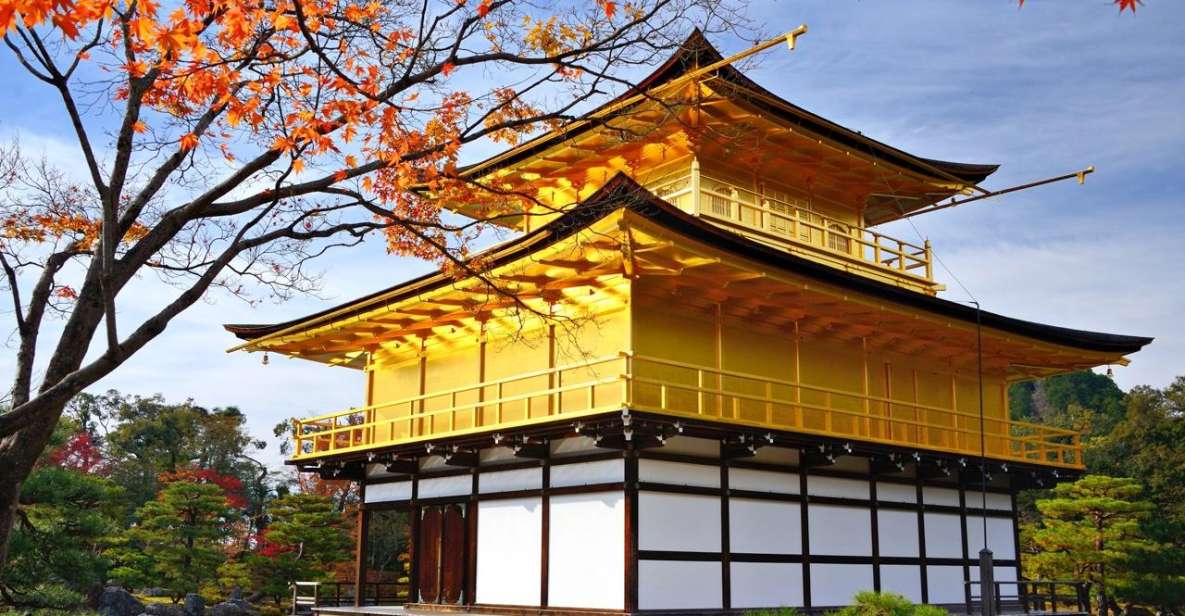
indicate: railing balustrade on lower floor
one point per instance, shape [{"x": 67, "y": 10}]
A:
[
  {"x": 1070, "y": 598},
  {"x": 309, "y": 595},
  {"x": 681, "y": 389}
]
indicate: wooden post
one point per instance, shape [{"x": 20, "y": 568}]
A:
[
  {"x": 363, "y": 526},
  {"x": 695, "y": 187}
]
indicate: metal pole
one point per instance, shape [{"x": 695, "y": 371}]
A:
[{"x": 987, "y": 586}]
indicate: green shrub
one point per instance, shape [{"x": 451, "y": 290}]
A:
[
  {"x": 774, "y": 611},
  {"x": 929, "y": 610},
  {"x": 869, "y": 603}
]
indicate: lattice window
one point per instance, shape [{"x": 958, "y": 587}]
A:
[{"x": 837, "y": 238}]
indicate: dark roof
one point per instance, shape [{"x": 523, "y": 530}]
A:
[
  {"x": 622, "y": 192},
  {"x": 697, "y": 51}
]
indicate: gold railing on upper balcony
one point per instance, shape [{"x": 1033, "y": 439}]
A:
[
  {"x": 680, "y": 389},
  {"x": 777, "y": 217}
]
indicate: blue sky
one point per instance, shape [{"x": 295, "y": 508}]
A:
[{"x": 1043, "y": 90}]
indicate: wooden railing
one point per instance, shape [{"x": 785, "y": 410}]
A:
[
  {"x": 682, "y": 389},
  {"x": 309, "y": 595},
  {"x": 1045, "y": 597},
  {"x": 584, "y": 388},
  {"x": 778, "y": 218},
  {"x": 677, "y": 388}
]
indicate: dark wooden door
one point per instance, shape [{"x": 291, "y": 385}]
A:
[
  {"x": 442, "y": 554},
  {"x": 452, "y": 555},
  {"x": 428, "y": 549}
]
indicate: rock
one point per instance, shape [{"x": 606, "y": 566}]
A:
[
  {"x": 194, "y": 605},
  {"x": 115, "y": 601},
  {"x": 164, "y": 609},
  {"x": 232, "y": 607}
]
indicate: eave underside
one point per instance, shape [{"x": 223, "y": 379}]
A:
[{"x": 579, "y": 268}]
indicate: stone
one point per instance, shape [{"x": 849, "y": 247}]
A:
[
  {"x": 115, "y": 601},
  {"x": 232, "y": 607},
  {"x": 194, "y": 605},
  {"x": 164, "y": 609}
]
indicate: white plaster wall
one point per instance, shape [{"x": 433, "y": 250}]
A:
[
  {"x": 1001, "y": 574},
  {"x": 678, "y": 522},
  {"x": 940, "y": 496},
  {"x": 445, "y": 486},
  {"x": 766, "y": 585},
  {"x": 587, "y": 473},
  {"x": 833, "y": 585},
  {"x": 944, "y": 538},
  {"x": 510, "y": 481},
  {"x": 897, "y": 492},
  {"x": 385, "y": 492},
  {"x": 679, "y": 585},
  {"x": 764, "y": 527},
  {"x": 840, "y": 531},
  {"x": 586, "y": 564},
  {"x": 898, "y": 532},
  {"x": 833, "y": 486},
  {"x": 1000, "y": 537},
  {"x": 509, "y": 538},
  {"x": 905, "y": 580},
  {"x": 945, "y": 583},
  {"x": 762, "y": 481},
  {"x": 679, "y": 473},
  {"x": 994, "y": 501}
]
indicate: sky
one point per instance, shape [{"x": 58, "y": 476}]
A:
[{"x": 1043, "y": 90}]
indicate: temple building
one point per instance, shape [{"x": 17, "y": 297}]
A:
[{"x": 698, "y": 379}]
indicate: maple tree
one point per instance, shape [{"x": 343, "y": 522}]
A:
[{"x": 244, "y": 138}]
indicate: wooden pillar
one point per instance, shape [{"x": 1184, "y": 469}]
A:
[
  {"x": 874, "y": 512},
  {"x": 470, "y": 590},
  {"x": 362, "y": 526},
  {"x": 922, "y": 534},
  {"x": 725, "y": 535},
  {"x": 413, "y": 580},
  {"x": 805, "y": 520},
  {"x": 631, "y": 530},
  {"x": 966, "y": 551}
]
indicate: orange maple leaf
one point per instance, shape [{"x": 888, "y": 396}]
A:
[
  {"x": 189, "y": 141},
  {"x": 447, "y": 68},
  {"x": 610, "y": 8},
  {"x": 1128, "y": 4}
]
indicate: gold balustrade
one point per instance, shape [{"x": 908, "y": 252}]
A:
[
  {"x": 777, "y": 218},
  {"x": 682, "y": 390}
]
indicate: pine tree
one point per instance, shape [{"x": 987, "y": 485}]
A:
[
  {"x": 182, "y": 537},
  {"x": 307, "y": 535},
  {"x": 1088, "y": 532}
]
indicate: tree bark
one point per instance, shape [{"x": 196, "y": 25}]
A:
[{"x": 18, "y": 452}]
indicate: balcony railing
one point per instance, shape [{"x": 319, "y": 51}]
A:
[
  {"x": 778, "y": 218},
  {"x": 680, "y": 389}
]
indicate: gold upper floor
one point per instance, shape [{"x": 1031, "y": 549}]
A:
[
  {"x": 627, "y": 309},
  {"x": 721, "y": 147}
]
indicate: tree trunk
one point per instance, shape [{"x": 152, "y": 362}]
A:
[{"x": 18, "y": 453}]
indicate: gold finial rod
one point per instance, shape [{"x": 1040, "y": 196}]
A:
[{"x": 1078, "y": 175}]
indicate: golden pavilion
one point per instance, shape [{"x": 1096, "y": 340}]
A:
[{"x": 698, "y": 380}]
